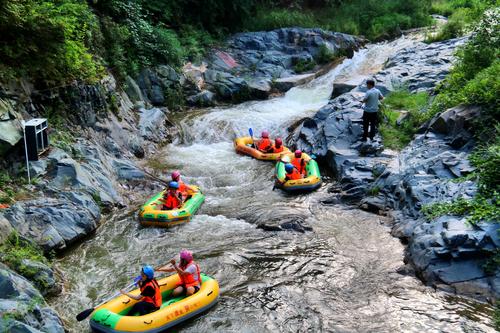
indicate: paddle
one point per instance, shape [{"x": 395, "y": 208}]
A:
[
  {"x": 250, "y": 131},
  {"x": 84, "y": 314}
]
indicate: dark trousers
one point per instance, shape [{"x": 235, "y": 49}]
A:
[
  {"x": 370, "y": 119},
  {"x": 142, "y": 308}
]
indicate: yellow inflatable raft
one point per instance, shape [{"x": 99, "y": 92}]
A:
[
  {"x": 310, "y": 182},
  {"x": 152, "y": 215},
  {"x": 112, "y": 317},
  {"x": 244, "y": 144}
]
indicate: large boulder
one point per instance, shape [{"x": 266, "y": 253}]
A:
[
  {"x": 253, "y": 62},
  {"x": 23, "y": 308},
  {"x": 153, "y": 125},
  {"x": 456, "y": 124},
  {"x": 419, "y": 68},
  {"x": 55, "y": 223},
  {"x": 10, "y": 125}
]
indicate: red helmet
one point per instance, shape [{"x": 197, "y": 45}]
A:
[
  {"x": 176, "y": 175},
  {"x": 265, "y": 134},
  {"x": 278, "y": 142},
  {"x": 298, "y": 153}
]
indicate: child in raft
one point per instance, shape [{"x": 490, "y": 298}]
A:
[
  {"x": 265, "y": 144},
  {"x": 185, "y": 189},
  {"x": 150, "y": 297},
  {"x": 173, "y": 198},
  {"x": 189, "y": 274},
  {"x": 291, "y": 173}
]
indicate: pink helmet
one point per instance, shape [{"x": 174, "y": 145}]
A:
[
  {"x": 186, "y": 255},
  {"x": 278, "y": 142},
  {"x": 176, "y": 175},
  {"x": 265, "y": 134},
  {"x": 298, "y": 153}
]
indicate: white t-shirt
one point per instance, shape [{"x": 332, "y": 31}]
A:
[{"x": 191, "y": 269}]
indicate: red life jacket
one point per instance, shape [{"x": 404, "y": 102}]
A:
[
  {"x": 300, "y": 164},
  {"x": 294, "y": 175},
  {"x": 156, "y": 299},
  {"x": 264, "y": 144},
  {"x": 278, "y": 150},
  {"x": 172, "y": 201},
  {"x": 189, "y": 280}
]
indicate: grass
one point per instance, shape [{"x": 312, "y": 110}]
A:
[
  {"x": 13, "y": 189},
  {"x": 478, "y": 209},
  {"x": 398, "y": 136},
  {"x": 15, "y": 249}
]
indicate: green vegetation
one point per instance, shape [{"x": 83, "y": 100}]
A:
[
  {"x": 462, "y": 14},
  {"x": 54, "y": 42},
  {"x": 397, "y": 136},
  {"x": 15, "y": 249},
  {"x": 12, "y": 188},
  {"x": 496, "y": 316},
  {"x": 474, "y": 81},
  {"x": 477, "y": 209},
  {"x": 303, "y": 65},
  {"x": 374, "y": 19}
]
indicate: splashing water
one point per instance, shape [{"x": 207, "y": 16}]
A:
[{"x": 339, "y": 277}]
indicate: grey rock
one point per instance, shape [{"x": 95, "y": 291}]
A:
[
  {"x": 203, "y": 98},
  {"x": 152, "y": 124},
  {"x": 55, "y": 223},
  {"x": 38, "y": 168},
  {"x": 132, "y": 89},
  {"x": 136, "y": 146},
  {"x": 255, "y": 59},
  {"x": 5, "y": 228},
  {"x": 42, "y": 276},
  {"x": 341, "y": 88},
  {"x": 10, "y": 125},
  {"x": 127, "y": 171},
  {"x": 455, "y": 123},
  {"x": 18, "y": 296}
]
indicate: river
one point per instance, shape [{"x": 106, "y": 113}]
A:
[{"x": 344, "y": 274}]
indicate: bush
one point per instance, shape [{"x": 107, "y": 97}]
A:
[
  {"x": 478, "y": 209},
  {"x": 48, "y": 41},
  {"x": 398, "y": 136},
  {"x": 303, "y": 65}
]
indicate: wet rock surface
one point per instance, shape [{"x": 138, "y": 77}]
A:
[
  {"x": 447, "y": 251},
  {"x": 22, "y": 306},
  {"x": 247, "y": 67}
]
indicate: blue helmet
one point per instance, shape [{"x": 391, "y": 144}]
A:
[
  {"x": 173, "y": 184},
  {"x": 148, "y": 271},
  {"x": 289, "y": 167}
]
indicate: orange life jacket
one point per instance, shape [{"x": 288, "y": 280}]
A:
[
  {"x": 294, "y": 175},
  {"x": 299, "y": 164},
  {"x": 172, "y": 201},
  {"x": 156, "y": 299},
  {"x": 264, "y": 144},
  {"x": 278, "y": 150},
  {"x": 183, "y": 188},
  {"x": 188, "y": 280}
]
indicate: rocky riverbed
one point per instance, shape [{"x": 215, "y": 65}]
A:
[
  {"x": 448, "y": 252},
  {"x": 116, "y": 127}
]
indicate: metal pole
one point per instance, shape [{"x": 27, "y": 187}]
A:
[{"x": 26, "y": 152}]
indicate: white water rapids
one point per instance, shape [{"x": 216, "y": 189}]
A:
[{"x": 340, "y": 277}]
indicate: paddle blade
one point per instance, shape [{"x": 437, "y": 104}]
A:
[
  {"x": 250, "y": 131},
  {"x": 84, "y": 314}
]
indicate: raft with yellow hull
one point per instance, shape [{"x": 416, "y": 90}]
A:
[
  {"x": 311, "y": 182},
  {"x": 112, "y": 317},
  {"x": 243, "y": 146},
  {"x": 152, "y": 215}
]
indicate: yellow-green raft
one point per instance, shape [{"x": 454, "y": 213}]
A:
[
  {"x": 310, "y": 182},
  {"x": 111, "y": 317},
  {"x": 152, "y": 215}
]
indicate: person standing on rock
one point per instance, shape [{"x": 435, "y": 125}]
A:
[{"x": 370, "y": 115}]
